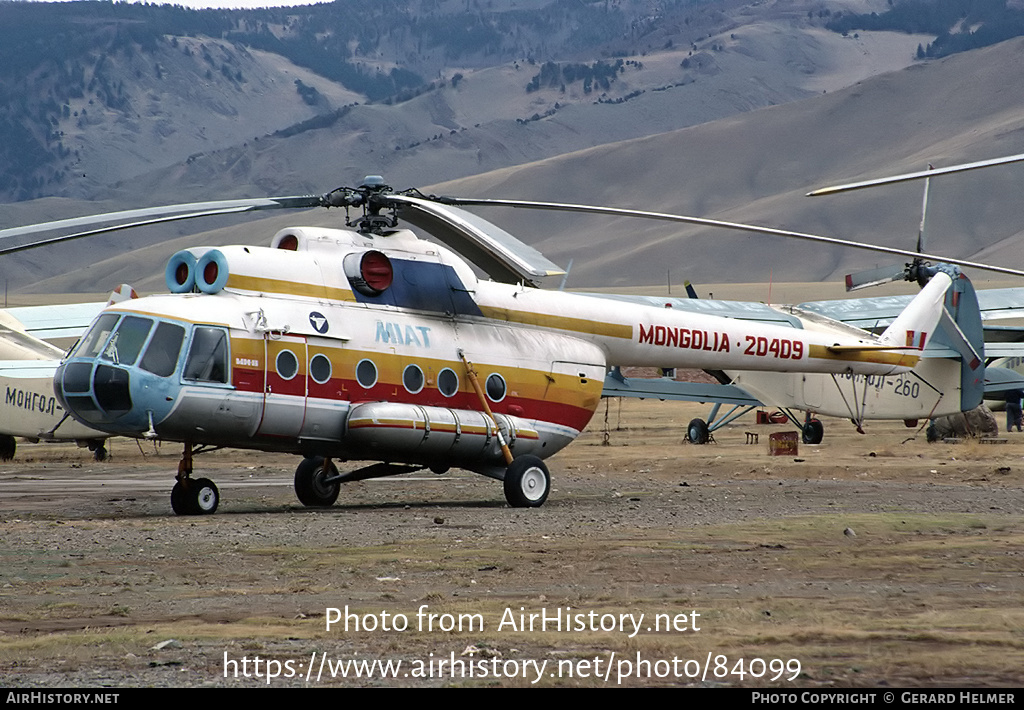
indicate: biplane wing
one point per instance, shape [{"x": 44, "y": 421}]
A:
[
  {"x": 55, "y": 322},
  {"x": 618, "y": 385},
  {"x": 877, "y": 312}
]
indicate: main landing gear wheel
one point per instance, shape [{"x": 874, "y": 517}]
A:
[
  {"x": 7, "y": 447},
  {"x": 312, "y": 483},
  {"x": 99, "y": 451},
  {"x": 195, "y": 497},
  {"x": 697, "y": 432},
  {"x": 813, "y": 431},
  {"x": 527, "y": 482}
]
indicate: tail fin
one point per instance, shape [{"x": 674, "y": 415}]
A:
[
  {"x": 920, "y": 318},
  {"x": 961, "y": 329}
]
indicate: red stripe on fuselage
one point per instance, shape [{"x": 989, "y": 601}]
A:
[{"x": 344, "y": 390}]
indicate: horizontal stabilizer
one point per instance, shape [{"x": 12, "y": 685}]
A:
[
  {"x": 972, "y": 358},
  {"x": 1001, "y": 379},
  {"x": 868, "y": 348}
]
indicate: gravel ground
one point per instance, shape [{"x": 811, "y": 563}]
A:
[{"x": 868, "y": 559}]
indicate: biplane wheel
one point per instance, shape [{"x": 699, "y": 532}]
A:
[
  {"x": 527, "y": 482},
  {"x": 195, "y": 497},
  {"x": 697, "y": 432},
  {"x": 310, "y": 483},
  {"x": 813, "y": 431},
  {"x": 7, "y": 447}
]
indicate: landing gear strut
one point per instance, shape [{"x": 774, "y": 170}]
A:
[{"x": 193, "y": 496}]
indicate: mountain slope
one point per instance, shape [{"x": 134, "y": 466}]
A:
[{"x": 752, "y": 167}]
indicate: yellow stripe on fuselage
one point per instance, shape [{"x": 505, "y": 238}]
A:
[
  {"x": 575, "y": 325},
  {"x": 882, "y": 357},
  {"x": 289, "y": 288}
]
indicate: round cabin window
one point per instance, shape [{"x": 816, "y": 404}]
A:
[
  {"x": 495, "y": 387},
  {"x": 412, "y": 378},
  {"x": 320, "y": 368},
  {"x": 366, "y": 373},
  {"x": 447, "y": 382},
  {"x": 287, "y": 364}
]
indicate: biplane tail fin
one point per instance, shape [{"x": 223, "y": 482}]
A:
[{"x": 961, "y": 329}]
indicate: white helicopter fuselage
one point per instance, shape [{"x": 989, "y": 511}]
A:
[{"x": 340, "y": 344}]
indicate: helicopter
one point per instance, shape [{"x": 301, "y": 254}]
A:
[{"x": 372, "y": 344}]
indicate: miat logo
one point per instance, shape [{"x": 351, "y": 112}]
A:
[{"x": 318, "y": 321}]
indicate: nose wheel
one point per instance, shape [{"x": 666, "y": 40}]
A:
[{"x": 193, "y": 496}]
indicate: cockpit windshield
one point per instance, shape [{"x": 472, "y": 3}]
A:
[
  {"x": 121, "y": 343},
  {"x": 126, "y": 343},
  {"x": 96, "y": 338}
]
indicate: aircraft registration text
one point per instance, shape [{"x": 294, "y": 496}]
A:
[
  {"x": 692, "y": 339},
  {"x": 902, "y": 386},
  {"x": 777, "y": 347}
]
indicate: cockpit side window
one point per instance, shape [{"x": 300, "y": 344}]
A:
[
  {"x": 127, "y": 340},
  {"x": 161, "y": 355},
  {"x": 208, "y": 356},
  {"x": 96, "y": 338}
]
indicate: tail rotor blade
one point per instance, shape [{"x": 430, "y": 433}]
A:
[{"x": 875, "y": 277}]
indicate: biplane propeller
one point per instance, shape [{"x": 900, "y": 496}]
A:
[{"x": 371, "y": 344}]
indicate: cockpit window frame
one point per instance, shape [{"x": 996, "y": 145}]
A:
[
  {"x": 128, "y": 340},
  {"x": 160, "y": 357},
  {"x": 193, "y": 339},
  {"x": 87, "y": 340}
]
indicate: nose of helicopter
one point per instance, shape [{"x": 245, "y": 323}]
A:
[
  {"x": 108, "y": 397},
  {"x": 118, "y": 378}
]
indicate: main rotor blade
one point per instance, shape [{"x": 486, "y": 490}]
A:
[
  {"x": 738, "y": 226},
  {"x": 924, "y": 209},
  {"x": 155, "y": 215},
  {"x": 916, "y": 176},
  {"x": 499, "y": 254}
]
